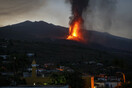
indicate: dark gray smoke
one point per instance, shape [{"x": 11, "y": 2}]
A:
[
  {"x": 107, "y": 8},
  {"x": 78, "y": 7},
  {"x": 103, "y": 10},
  {"x": 101, "y": 14}
]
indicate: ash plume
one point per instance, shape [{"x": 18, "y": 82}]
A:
[
  {"x": 93, "y": 11},
  {"x": 78, "y": 7},
  {"x": 104, "y": 10},
  {"x": 100, "y": 14}
]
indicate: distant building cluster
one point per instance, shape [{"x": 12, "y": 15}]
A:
[{"x": 38, "y": 75}]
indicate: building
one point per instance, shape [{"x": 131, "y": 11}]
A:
[
  {"x": 34, "y": 80},
  {"x": 30, "y": 54},
  {"x": 89, "y": 81},
  {"x": 4, "y": 56},
  {"x": 107, "y": 84},
  {"x": 104, "y": 81}
]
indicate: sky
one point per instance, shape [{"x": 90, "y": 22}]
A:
[
  {"x": 51, "y": 11},
  {"x": 114, "y": 18}
]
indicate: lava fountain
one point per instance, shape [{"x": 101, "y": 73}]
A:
[
  {"x": 77, "y": 21},
  {"x": 75, "y": 30}
]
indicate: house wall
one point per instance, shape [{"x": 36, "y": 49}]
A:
[{"x": 37, "y": 80}]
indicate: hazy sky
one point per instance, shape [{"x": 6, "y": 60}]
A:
[
  {"x": 58, "y": 13},
  {"x": 52, "y": 11}
]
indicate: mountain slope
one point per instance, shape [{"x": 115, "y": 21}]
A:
[
  {"x": 40, "y": 31},
  {"x": 33, "y": 31}
]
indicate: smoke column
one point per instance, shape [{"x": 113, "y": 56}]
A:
[
  {"x": 93, "y": 13},
  {"x": 110, "y": 16},
  {"x": 102, "y": 13},
  {"x": 78, "y": 7},
  {"x": 76, "y": 20}
]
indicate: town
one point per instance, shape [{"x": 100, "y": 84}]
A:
[{"x": 18, "y": 69}]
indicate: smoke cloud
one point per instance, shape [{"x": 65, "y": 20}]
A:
[
  {"x": 78, "y": 7},
  {"x": 11, "y": 7},
  {"x": 100, "y": 14},
  {"x": 111, "y": 16}
]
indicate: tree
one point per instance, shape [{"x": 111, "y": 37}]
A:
[{"x": 66, "y": 78}]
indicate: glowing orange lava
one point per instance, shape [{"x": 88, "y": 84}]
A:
[{"x": 75, "y": 31}]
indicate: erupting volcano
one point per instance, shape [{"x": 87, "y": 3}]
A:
[
  {"x": 75, "y": 31},
  {"x": 76, "y": 21}
]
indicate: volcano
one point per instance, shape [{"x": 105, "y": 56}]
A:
[
  {"x": 42, "y": 31},
  {"x": 76, "y": 20},
  {"x": 75, "y": 31}
]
